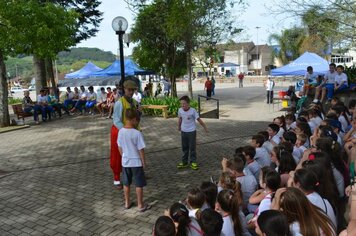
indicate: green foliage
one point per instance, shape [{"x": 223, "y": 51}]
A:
[
  {"x": 173, "y": 104},
  {"x": 84, "y": 54},
  {"x": 351, "y": 74},
  {"x": 14, "y": 101},
  {"x": 290, "y": 42}
]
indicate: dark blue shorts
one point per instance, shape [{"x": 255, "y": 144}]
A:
[{"x": 133, "y": 172}]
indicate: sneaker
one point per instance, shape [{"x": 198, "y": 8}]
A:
[
  {"x": 182, "y": 165},
  {"x": 315, "y": 101},
  {"x": 194, "y": 166}
]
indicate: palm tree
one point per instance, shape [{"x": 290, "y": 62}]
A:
[{"x": 290, "y": 41}]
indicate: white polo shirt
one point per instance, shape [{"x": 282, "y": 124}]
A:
[{"x": 339, "y": 78}]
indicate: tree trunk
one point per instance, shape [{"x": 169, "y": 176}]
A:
[
  {"x": 4, "y": 103},
  {"x": 173, "y": 87},
  {"x": 40, "y": 73},
  {"x": 50, "y": 72},
  {"x": 189, "y": 65}
]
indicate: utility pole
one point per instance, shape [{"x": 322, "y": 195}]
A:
[{"x": 258, "y": 56}]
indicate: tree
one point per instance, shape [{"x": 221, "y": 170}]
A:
[
  {"x": 31, "y": 28},
  {"x": 335, "y": 19},
  {"x": 290, "y": 41},
  {"x": 180, "y": 27},
  {"x": 87, "y": 23}
]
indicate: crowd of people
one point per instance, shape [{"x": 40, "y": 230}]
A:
[{"x": 295, "y": 178}]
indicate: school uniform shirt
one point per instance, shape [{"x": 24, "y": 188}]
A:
[
  {"x": 343, "y": 121},
  {"x": 339, "y": 78},
  {"x": 137, "y": 97},
  {"x": 193, "y": 212},
  {"x": 316, "y": 121},
  {"x": 255, "y": 169},
  {"x": 70, "y": 95},
  {"x": 262, "y": 157},
  {"x": 311, "y": 77},
  {"x": 276, "y": 139},
  {"x": 280, "y": 132},
  {"x": 312, "y": 126},
  {"x": 131, "y": 141},
  {"x": 188, "y": 119},
  {"x": 194, "y": 229},
  {"x": 268, "y": 146},
  {"x": 102, "y": 97},
  {"x": 269, "y": 85},
  {"x": 42, "y": 99},
  {"x": 91, "y": 96},
  {"x": 243, "y": 222},
  {"x": 83, "y": 95},
  {"x": 330, "y": 77},
  {"x": 248, "y": 186},
  {"x": 228, "y": 226},
  {"x": 297, "y": 154},
  {"x": 265, "y": 204},
  {"x": 323, "y": 204},
  {"x": 339, "y": 180}
]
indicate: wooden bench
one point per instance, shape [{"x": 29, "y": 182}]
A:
[
  {"x": 19, "y": 112},
  {"x": 164, "y": 109}
]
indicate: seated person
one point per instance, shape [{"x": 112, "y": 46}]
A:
[
  {"x": 44, "y": 107},
  {"x": 69, "y": 99},
  {"x": 111, "y": 101},
  {"x": 82, "y": 99},
  {"x": 102, "y": 104},
  {"x": 310, "y": 80},
  {"x": 54, "y": 102},
  {"x": 28, "y": 106},
  {"x": 91, "y": 100}
]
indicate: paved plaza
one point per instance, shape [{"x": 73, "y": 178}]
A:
[{"x": 55, "y": 177}]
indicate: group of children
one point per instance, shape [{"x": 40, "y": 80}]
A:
[{"x": 294, "y": 178}]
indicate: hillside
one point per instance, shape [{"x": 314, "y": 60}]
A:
[{"x": 66, "y": 61}]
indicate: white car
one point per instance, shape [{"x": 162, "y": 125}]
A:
[
  {"x": 17, "y": 89},
  {"x": 32, "y": 88}
]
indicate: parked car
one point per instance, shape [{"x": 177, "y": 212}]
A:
[
  {"x": 32, "y": 88},
  {"x": 17, "y": 89}
]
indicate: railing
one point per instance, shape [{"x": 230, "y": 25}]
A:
[{"x": 214, "y": 113}]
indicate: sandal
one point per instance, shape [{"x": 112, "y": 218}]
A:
[
  {"x": 129, "y": 206},
  {"x": 145, "y": 208}
]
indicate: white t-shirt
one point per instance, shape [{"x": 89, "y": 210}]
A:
[
  {"x": 83, "y": 94},
  {"x": 70, "y": 95},
  {"x": 137, "y": 97},
  {"x": 130, "y": 141},
  {"x": 311, "y": 77},
  {"x": 265, "y": 204},
  {"x": 188, "y": 119},
  {"x": 91, "y": 96},
  {"x": 339, "y": 78},
  {"x": 102, "y": 97},
  {"x": 269, "y": 85},
  {"x": 41, "y": 99},
  {"x": 323, "y": 204},
  {"x": 330, "y": 77}
]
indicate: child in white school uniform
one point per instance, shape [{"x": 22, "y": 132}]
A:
[{"x": 131, "y": 146}]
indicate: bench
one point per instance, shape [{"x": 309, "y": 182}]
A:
[
  {"x": 164, "y": 109},
  {"x": 19, "y": 112}
]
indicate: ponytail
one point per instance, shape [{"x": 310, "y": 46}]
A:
[
  {"x": 230, "y": 202},
  {"x": 179, "y": 214}
]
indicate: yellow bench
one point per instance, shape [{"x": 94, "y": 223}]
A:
[{"x": 164, "y": 109}]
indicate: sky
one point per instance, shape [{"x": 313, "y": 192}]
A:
[{"x": 255, "y": 15}]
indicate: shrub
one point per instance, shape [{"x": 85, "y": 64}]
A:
[
  {"x": 173, "y": 104},
  {"x": 15, "y": 100},
  {"x": 351, "y": 74}
]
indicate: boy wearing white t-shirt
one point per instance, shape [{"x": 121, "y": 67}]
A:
[
  {"x": 340, "y": 79},
  {"x": 131, "y": 146},
  {"x": 187, "y": 125}
]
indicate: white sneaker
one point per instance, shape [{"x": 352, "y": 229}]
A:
[{"x": 315, "y": 101}]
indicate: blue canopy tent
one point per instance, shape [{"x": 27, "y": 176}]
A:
[
  {"x": 84, "y": 72},
  {"x": 131, "y": 68},
  {"x": 299, "y": 65},
  {"x": 228, "y": 64}
]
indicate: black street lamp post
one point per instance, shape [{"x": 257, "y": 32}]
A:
[{"x": 119, "y": 25}]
